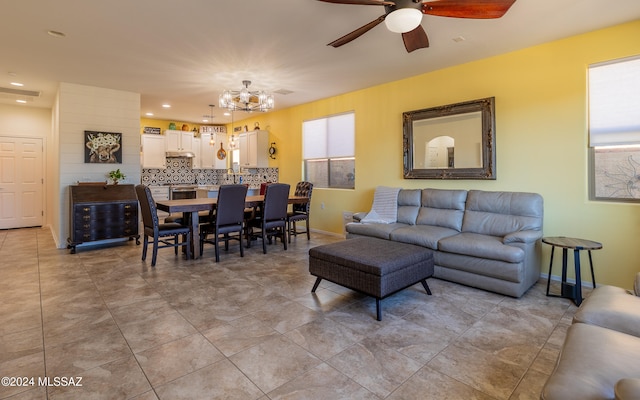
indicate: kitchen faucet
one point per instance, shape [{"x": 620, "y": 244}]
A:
[{"x": 231, "y": 172}]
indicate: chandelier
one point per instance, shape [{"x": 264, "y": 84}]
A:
[{"x": 246, "y": 100}]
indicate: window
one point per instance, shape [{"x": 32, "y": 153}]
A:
[
  {"x": 328, "y": 151},
  {"x": 614, "y": 130}
]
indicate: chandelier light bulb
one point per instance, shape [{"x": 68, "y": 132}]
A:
[
  {"x": 403, "y": 20},
  {"x": 244, "y": 95}
]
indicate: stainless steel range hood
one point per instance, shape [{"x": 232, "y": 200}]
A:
[{"x": 180, "y": 154}]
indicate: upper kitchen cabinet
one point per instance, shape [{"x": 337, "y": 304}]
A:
[
  {"x": 196, "y": 161},
  {"x": 213, "y": 157},
  {"x": 254, "y": 151},
  {"x": 153, "y": 151},
  {"x": 179, "y": 140}
]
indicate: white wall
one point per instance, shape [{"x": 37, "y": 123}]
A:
[
  {"x": 23, "y": 121},
  {"x": 86, "y": 108}
]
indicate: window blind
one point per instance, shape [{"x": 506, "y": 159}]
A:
[
  {"x": 614, "y": 103},
  {"x": 329, "y": 137}
]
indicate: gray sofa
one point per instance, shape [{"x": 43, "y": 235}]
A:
[
  {"x": 599, "y": 357},
  {"x": 488, "y": 240}
]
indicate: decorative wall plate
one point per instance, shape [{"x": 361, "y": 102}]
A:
[{"x": 222, "y": 154}]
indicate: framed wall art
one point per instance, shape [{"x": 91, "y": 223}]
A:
[{"x": 102, "y": 147}]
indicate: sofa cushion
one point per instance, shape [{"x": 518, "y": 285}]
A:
[
  {"x": 501, "y": 213},
  {"x": 592, "y": 360},
  {"x": 381, "y": 231},
  {"x": 443, "y": 208},
  {"x": 483, "y": 246},
  {"x": 611, "y": 307},
  {"x": 627, "y": 389},
  {"x": 423, "y": 235},
  {"x": 408, "y": 205}
]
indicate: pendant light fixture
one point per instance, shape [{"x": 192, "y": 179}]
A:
[
  {"x": 209, "y": 118},
  {"x": 232, "y": 139}
]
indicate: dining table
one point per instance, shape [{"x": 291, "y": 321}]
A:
[{"x": 191, "y": 207}]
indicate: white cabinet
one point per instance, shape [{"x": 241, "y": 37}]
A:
[
  {"x": 179, "y": 140},
  {"x": 211, "y": 156},
  {"x": 153, "y": 151},
  {"x": 207, "y": 152},
  {"x": 254, "y": 151},
  {"x": 196, "y": 162}
]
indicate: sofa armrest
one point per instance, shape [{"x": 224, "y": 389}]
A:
[
  {"x": 627, "y": 389},
  {"x": 529, "y": 236},
  {"x": 357, "y": 217}
]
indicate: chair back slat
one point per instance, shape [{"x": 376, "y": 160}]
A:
[
  {"x": 230, "y": 207},
  {"x": 276, "y": 199}
]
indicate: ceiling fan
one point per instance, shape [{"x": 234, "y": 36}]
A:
[{"x": 405, "y": 16}]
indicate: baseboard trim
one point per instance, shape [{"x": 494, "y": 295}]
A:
[{"x": 556, "y": 278}]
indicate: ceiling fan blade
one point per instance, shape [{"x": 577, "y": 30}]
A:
[
  {"x": 357, "y": 33},
  {"x": 415, "y": 39},
  {"x": 362, "y": 2},
  {"x": 477, "y": 9}
]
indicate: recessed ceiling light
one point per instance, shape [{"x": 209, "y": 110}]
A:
[
  {"x": 17, "y": 84},
  {"x": 227, "y": 114},
  {"x": 459, "y": 39},
  {"x": 56, "y": 34},
  {"x": 149, "y": 114},
  {"x": 205, "y": 120},
  {"x": 21, "y": 101},
  {"x": 166, "y": 106}
]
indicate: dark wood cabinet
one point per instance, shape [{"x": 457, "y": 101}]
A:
[{"x": 100, "y": 212}]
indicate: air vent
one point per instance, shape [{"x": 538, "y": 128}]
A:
[
  {"x": 20, "y": 92},
  {"x": 283, "y": 91}
]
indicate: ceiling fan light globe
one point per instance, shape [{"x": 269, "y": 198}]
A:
[{"x": 403, "y": 20}]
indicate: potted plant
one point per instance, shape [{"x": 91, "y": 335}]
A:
[{"x": 116, "y": 176}]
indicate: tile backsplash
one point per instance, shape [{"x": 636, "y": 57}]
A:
[{"x": 179, "y": 171}]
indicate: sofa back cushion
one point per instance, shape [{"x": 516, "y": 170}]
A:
[
  {"x": 501, "y": 213},
  {"x": 408, "y": 206},
  {"x": 443, "y": 208}
]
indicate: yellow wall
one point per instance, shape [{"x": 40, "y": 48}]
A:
[{"x": 541, "y": 140}]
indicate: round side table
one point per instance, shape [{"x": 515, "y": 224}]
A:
[{"x": 571, "y": 290}]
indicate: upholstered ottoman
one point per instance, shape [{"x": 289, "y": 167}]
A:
[{"x": 375, "y": 267}]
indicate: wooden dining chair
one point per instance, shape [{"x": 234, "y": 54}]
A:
[
  {"x": 300, "y": 212},
  {"x": 162, "y": 235},
  {"x": 272, "y": 222},
  {"x": 227, "y": 219}
]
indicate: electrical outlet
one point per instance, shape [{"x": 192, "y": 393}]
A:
[{"x": 322, "y": 205}]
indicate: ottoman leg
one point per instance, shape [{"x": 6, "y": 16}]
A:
[
  {"x": 426, "y": 287},
  {"x": 378, "y": 313},
  {"x": 315, "y": 285}
]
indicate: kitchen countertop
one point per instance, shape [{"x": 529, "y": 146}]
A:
[{"x": 209, "y": 187}]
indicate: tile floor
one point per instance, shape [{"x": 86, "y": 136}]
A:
[{"x": 249, "y": 328}]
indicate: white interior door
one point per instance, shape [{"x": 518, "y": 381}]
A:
[{"x": 21, "y": 182}]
